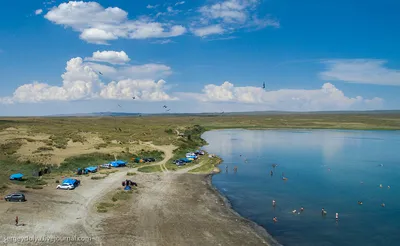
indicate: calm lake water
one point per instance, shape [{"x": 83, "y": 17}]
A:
[{"x": 329, "y": 169}]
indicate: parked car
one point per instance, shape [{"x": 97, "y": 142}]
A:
[
  {"x": 108, "y": 165},
  {"x": 65, "y": 186},
  {"x": 15, "y": 197}
]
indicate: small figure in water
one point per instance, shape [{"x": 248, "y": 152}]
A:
[
  {"x": 226, "y": 168},
  {"x": 380, "y": 186},
  {"x": 388, "y": 186},
  {"x": 272, "y": 173},
  {"x": 273, "y": 203},
  {"x": 323, "y": 212},
  {"x": 294, "y": 211},
  {"x": 383, "y": 205},
  {"x": 360, "y": 203},
  {"x": 337, "y": 216},
  {"x": 301, "y": 209},
  {"x": 275, "y": 219},
  {"x": 235, "y": 169}
]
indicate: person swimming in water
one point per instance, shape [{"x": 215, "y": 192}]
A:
[
  {"x": 273, "y": 203},
  {"x": 272, "y": 173},
  {"x": 323, "y": 212},
  {"x": 301, "y": 209},
  {"x": 337, "y": 216},
  {"x": 275, "y": 219},
  {"x": 360, "y": 203},
  {"x": 383, "y": 205}
]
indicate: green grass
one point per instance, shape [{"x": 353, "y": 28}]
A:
[
  {"x": 98, "y": 177},
  {"x": 131, "y": 173},
  {"x": 82, "y": 161},
  {"x": 150, "y": 169},
  {"x": 208, "y": 164},
  {"x": 104, "y": 206},
  {"x": 122, "y": 195},
  {"x": 158, "y": 155}
]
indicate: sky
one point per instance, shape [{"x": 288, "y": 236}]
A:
[{"x": 65, "y": 57}]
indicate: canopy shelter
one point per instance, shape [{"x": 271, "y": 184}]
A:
[
  {"x": 91, "y": 169},
  {"x": 16, "y": 176},
  {"x": 118, "y": 163}
]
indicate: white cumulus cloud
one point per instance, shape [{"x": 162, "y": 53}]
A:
[
  {"x": 363, "y": 71},
  {"x": 113, "y": 57},
  {"x": 231, "y": 15},
  {"x": 81, "y": 81},
  {"x": 99, "y": 25},
  {"x": 326, "y": 98},
  {"x": 38, "y": 11}
]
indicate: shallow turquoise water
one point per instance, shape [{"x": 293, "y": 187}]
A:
[{"x": 305, "y": 158}]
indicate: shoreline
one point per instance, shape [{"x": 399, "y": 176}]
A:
[{"x": 259, "y": 230}]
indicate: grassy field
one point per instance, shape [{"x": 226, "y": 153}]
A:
[{"x": 181, "y": 131}]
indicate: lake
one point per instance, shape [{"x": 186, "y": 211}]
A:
[{"x": 330, "y": 169}]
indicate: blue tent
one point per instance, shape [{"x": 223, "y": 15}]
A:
[
  {"x": 73, "y": 182},
  {"x": 91, "y": 169},
  {"x": 118, "y": 163},
  {"x": 186, "y": 160},
  {"x": 16, "y": 176}
]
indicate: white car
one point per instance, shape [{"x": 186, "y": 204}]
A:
[{"x": 65, "y": 187}]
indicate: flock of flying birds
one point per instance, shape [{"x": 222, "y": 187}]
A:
[{"x": 165, "y": 107}]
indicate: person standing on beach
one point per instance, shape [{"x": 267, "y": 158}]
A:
[{"x": 16, "y": 220}]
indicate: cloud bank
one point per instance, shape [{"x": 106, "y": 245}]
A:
[
  {"x": 85, "y": 79},
  {"x": 328, "y": 97}
]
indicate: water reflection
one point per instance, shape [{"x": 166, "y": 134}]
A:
[{"x": 304, "y": 157}]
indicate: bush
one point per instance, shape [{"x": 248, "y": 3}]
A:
[{"x": 98, "y": 177}]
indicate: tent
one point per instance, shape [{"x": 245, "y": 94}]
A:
[
  {"x": 91, "y": 169},
  {"x": 73, "y": 182},
  {"x": 186, "y": 160},
  {"x": 16, "y": 176},
  {"x": 118, "y": 163}
]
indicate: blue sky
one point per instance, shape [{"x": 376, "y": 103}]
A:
[{"x": 197, "y": 56}]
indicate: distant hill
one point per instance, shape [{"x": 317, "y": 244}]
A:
[{"x": 122, "y": 114}]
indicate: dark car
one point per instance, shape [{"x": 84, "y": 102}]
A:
[
  {"x": 15, "y": 197},
  {"x": 151, "y": 159}
]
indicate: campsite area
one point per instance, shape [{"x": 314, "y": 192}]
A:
[{"x": 171, "y": 205}]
